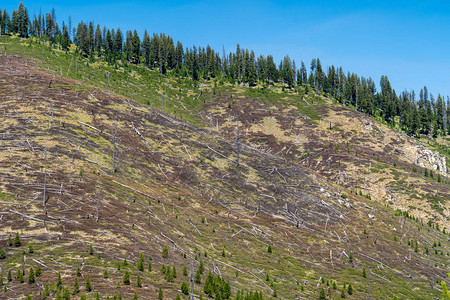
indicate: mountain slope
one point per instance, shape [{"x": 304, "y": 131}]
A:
[{"x": 179, "y": 186}]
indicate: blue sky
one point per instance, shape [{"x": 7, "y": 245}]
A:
[{"x": 409, "y": 41}]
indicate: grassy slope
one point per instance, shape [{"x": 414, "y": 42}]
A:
[{"x": 183, "y": 180}]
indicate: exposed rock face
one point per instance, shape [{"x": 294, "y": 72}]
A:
[{"x": 429, "y": 159}]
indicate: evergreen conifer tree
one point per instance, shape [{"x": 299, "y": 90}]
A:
[
  {"x": 126, "y": 278},
  {"x": 88, "y": 285},
  {"x": 31, "y": 276},
  {"x": 17, "y": 241}
]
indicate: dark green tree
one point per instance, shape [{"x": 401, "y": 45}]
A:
[
  {"x": 20, "y": 275},
  {"x": 185, "y": 288},
  {"x": 139, "y": 281},
  {"x": 17, "y": 241},
  {"x": 140, "y": 264},
  {"x": 135, "y": 48},
  {"x": 165, "y": 252},
  {"x": 31, "y": 276},
  {"x": 76, "y": 287},
  {"x": 350, "y": 289},
  {"x": 126, "y": 278},
  {"x": 88, "y": 285}
]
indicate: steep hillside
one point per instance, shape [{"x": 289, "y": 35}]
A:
[{"x": 181, "y": 187}]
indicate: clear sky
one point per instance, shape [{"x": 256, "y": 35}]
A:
[{"x": 409, "y": 41}]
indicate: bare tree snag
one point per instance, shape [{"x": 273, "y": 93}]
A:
[
  {"x": 114, "y": 149},
  {"x": 237, "y": 140},
  {"x": 44, "y": 201}
]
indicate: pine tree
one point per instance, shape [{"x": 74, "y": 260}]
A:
[
  {"x": 185, "y": 288},
  {"x": 135, "y": 48},
  {"x": 146, "y": 48},
  {"x": 364, "y": 275},
  {"x": 160, "y": 294},
  {"x": 140, "y": 264},
  {"x": 88, "y": 285},
  {"x": 322, "y": 295},
  {"x": 126, "y": 278},
  {"x": 59, "y": 282},
  {"x": 105, "y": 274},
  {"x": 91, "y": 250},
  {"x": 2, "y": 253},
  {"x": 165, "y": 252},
  {"x": 149, "y": 267},
  {"x": 139, "y": 281},
  {"x": 174, "y": 272},
  {"x": 185, "y": 272},
  {"x": 17, "y": 241},
  {"x": 198, "y": 277},
  {"x": 269, "y": 249},
  {"x": 65, "y": 39},
  {"x": 78, "y": 272},
  {"x": 20, "y": 275},
  {"x": 10, "y": 242},
  {"x": 65, "y": 294},
  {"x": 9, "y": 276},
  {"x": 350, "y": 289},
  {"x": 201, "y": 268},
  {"x": 76, "y": 287},
  {"x": 31, "y": 276},
  {"x": 98, "y": 40}
]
